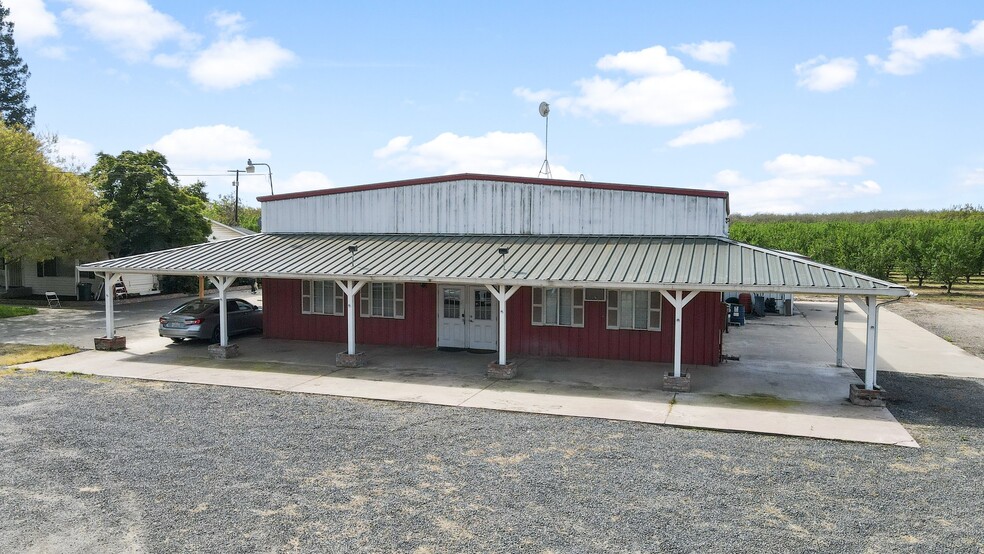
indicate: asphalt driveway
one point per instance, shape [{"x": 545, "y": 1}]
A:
[{"x": 78, "y": 323}]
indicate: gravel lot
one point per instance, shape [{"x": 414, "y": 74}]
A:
[{"x": 111, "y": 465}]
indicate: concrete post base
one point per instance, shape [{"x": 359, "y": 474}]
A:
[
  {"x": 501, "y": 371},
  {"x": 110, "y": 343},
  {"x": 676, "y": 384},
  {"x": 344, "y": 359},
  {"x": 861, "y": 396},
  {"x": 219, "y": 352}
]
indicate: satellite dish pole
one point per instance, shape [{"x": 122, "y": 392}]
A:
[{"x": 545, "y": 168}]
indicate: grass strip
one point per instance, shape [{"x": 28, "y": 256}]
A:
[
  {"x": 16, "y": 311},
  {"x": 14, "y": 354}
]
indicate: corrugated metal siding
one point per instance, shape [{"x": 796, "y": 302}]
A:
[
  {"x": 497, "y": 208},
  {"x": 703, "y": 263}
]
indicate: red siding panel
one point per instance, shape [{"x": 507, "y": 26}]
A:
[
  {"x": 703, "y": 322},
  {"x": 282, "y": 318}
]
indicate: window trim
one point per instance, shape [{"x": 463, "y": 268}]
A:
[
  {"x": 654, "y": 314},
  {"x": 307, "y": 300},
  {"x": 577, "y": 307},
  {"x": 366, "y": 297}
]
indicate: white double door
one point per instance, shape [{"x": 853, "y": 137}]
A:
[{"x": 467, "y": 317}]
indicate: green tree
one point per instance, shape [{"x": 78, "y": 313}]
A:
[
  {"x": 146, "y": 206},
  {"x": 223, "y": 211},
  {"x": 44, "y": 211},
  {"x": 955, "y": 254},
  {"x": 14, "y": 108}
]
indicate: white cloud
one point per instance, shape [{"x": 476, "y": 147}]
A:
[
  {"x": 215, "y": 145},
  {"x": 908, "y": 54},
  {"x": 132, "y": 28},
  {"x": 32, "y": 21},
  {"x": 54, "y": 52},
  {"x": 395, "y": 145},
  {"x": 74, "y": 152},
  {"x": 823, "y": 75},
  {"x": 228, "y": 22},
  {"x": 664, "y": 92},
  {"x": 711, "y": 133},
  {"x": 303, "y": 180},
  {"x": 496, "y": 152},
  {"x": 974, "y": 178},
  {"x": 799, "y": 184},
  {"x": 797, "y": 165},
  {"x": 710, "y": 52},
  {"x": 650, "y": 61},
  {"x": 238, "y": 61}
]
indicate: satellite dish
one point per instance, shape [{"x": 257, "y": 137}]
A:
[{"x": 544, "y": 109}]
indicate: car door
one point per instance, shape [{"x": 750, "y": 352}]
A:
[
  {"x": 251, "y": 316},
  {"x": 235, "y": 317}
]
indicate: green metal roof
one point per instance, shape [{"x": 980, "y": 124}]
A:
[{"x": 677, "y": 262}]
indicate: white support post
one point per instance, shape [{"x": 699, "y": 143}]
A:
[
  {"x": 840, "y": 330},
  {"x": 871, "y": 345},
  {"x": 679, "y": 302},
  {"x": 502, "y": 293},
  {"x": 869, "y": 304},
  {"x": 6, "y": 276},
  {"x": 109, "y": 280},
  {"x": 222, "y": 283},
  {"x": 351, "y": 288}
]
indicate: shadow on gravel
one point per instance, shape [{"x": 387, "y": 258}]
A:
[{"x": 934, "y": 400}]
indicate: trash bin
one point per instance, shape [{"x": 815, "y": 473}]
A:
[{"x": 84, "y": 291}]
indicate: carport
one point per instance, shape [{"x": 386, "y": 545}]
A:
[{"x": 678, "y": 268}]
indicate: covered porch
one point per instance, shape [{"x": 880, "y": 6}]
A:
[
  {"x": 764, "y": 394},
  {"x": 677, "y": 269}
]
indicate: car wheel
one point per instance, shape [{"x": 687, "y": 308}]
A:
[
  {"x": 176, "y": 339},
  {"x": 215, "y": 335}
]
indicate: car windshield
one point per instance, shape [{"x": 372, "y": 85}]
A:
[{"x": 194, "y": 307}]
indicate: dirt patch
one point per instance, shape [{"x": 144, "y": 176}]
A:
[{"x": 959, "y": 325}]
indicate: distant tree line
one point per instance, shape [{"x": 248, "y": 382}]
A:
[{"x": 944, "y": 246}]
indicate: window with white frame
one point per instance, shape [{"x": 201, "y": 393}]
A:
[
  {"x": 322, "y": 297},
  {"x": 635, "y": 309},
  {"x": 558, "y": 306},
  {"x": 382, "y": 300}
]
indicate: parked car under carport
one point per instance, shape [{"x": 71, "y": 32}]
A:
[{"x": 199, "y": 319}]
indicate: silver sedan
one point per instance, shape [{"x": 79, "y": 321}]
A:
[{"x": 199, "y": 319}]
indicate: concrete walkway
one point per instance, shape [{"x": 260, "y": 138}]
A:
[{"x": 784, "y": 384}]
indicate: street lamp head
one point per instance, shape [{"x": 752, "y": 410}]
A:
[{"x": 250, "y": 168}]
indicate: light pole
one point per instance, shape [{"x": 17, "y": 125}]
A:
[
  {"x": 251, "y": 168},
  {"x": 235, "y": 209}
]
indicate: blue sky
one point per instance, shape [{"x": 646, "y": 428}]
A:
[{"x": 790, "y": 106}]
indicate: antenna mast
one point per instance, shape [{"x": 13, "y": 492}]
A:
[{"x": 545, "y": 168}]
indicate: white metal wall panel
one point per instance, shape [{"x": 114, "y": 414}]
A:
[{"x": 498, "y": 208}]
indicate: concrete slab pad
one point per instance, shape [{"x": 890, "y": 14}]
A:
[
  {"x": 387, "y": 390},
  {"x": 906, "y": 347},
  {"x": 566, "y": 400},
  {"x": 779, "y": 417}
]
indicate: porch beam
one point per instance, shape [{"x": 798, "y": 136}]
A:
[
  {"x": 222, "y": 283},
  {"x": 678, "y": 301},
  {"x": 351, "y": 288}
]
